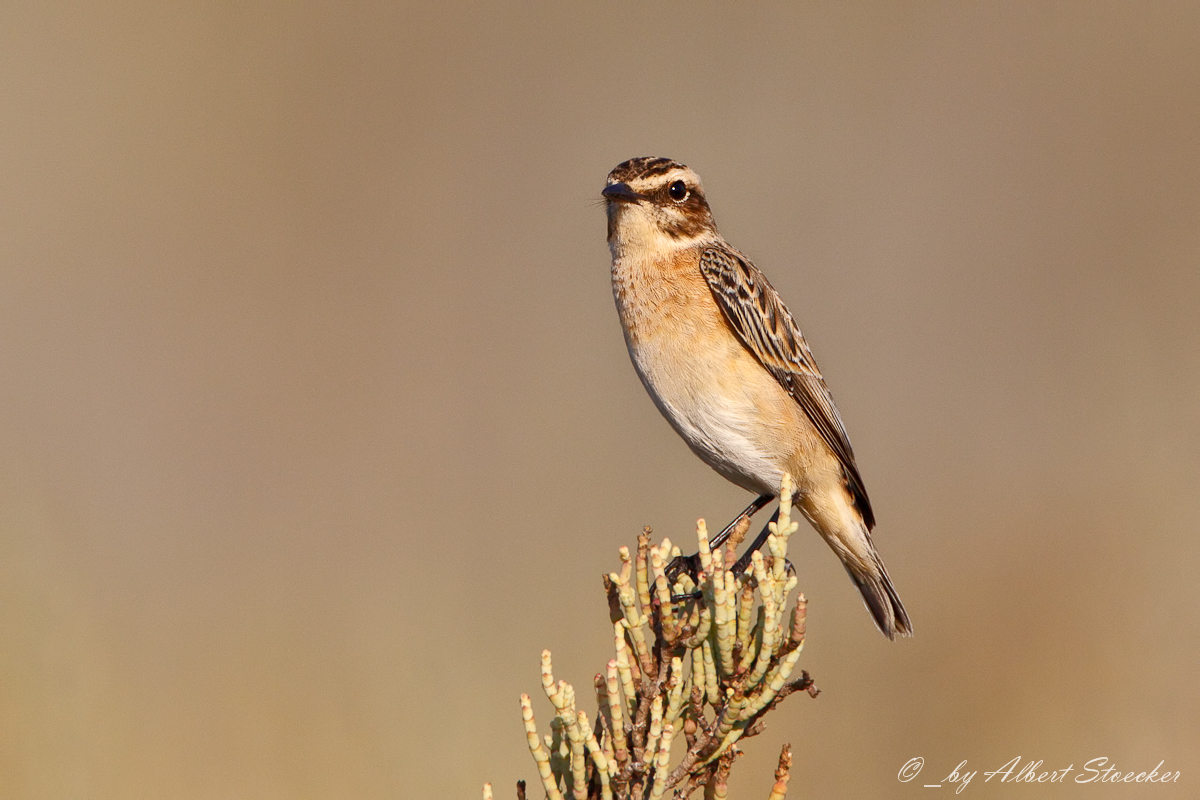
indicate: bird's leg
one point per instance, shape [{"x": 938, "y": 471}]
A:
[
  {"x": 749, "y": 511},
  {"x": 691, "y": 564}
]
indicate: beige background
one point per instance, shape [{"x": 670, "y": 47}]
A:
[{"x": 317, "y": 423}]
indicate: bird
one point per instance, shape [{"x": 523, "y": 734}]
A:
[{"x": 724, "y": 361}]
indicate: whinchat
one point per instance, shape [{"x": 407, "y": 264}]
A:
[{"x": 725, "y": 363}]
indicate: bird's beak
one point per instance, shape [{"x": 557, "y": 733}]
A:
[{"x": 620, "y": 193}]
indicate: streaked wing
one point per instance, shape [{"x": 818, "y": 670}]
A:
[{"x": 763, "y": 324}]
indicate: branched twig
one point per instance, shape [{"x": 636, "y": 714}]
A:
[{"x": 715, "y": 639}]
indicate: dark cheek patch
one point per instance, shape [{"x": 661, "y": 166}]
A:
[
  {"x": 686, "y": 228},
  {"x": 696, "y": 218}
]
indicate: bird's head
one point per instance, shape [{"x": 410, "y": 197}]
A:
[{"x": 656, "y": 203}]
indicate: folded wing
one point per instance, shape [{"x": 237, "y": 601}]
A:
[{"x": 764, "y": 325}]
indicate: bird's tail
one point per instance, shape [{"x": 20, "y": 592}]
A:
[
  {"x": 846, "y": 532},
  {"x": 879, "y": 595}
]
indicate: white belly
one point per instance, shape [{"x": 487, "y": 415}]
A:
[{"x": 715, "y": 400}]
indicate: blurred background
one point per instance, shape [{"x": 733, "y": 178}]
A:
[{"x": 318, "y": 424}]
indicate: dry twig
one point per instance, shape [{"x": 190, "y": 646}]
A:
[{"x": 690, "y": 680}]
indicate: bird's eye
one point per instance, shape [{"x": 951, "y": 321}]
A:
[{"x": 678, "y": 191}]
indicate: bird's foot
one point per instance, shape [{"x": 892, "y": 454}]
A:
[{"x": 684, "y": 565}]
